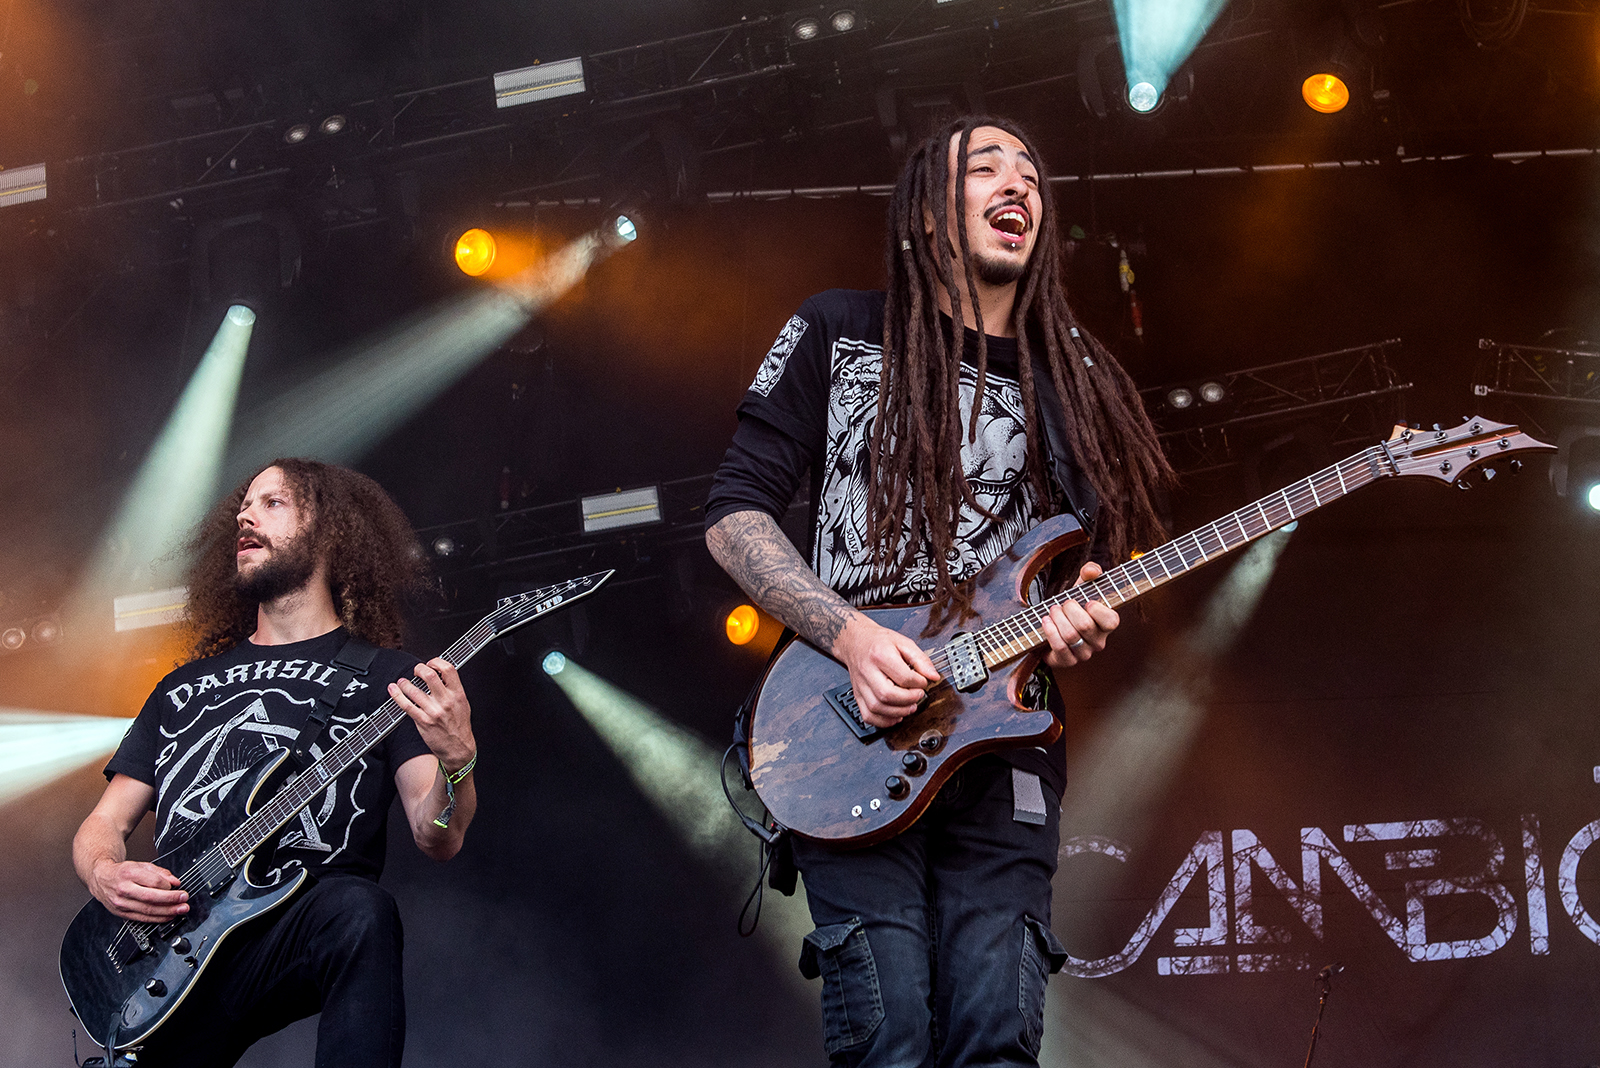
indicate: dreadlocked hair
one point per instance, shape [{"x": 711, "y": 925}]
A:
[
  {"x": 372, "y": 556},
  {"x": 917, "y": 437}
]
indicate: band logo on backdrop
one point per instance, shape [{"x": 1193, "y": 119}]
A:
[{"x": 1233, "y": 865}]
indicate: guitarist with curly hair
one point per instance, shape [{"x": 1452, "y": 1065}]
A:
[
  {"x": 295, "y": 598},
  {"x": 939, "y": 421}
]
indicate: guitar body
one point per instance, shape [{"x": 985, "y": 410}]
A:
[
  {"x": 106, "y": 972},
  {"x": 818, "y": 778}
]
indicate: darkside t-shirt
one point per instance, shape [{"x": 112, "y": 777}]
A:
[
  {"x": 208, "y": 722},
  {"x": 812, "y": 407}
]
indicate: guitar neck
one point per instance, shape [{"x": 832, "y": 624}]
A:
[
  {"x": 304, "y": 787},
  {"x": 1017, "y": 634}
]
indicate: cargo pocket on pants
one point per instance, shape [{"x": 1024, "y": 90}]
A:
[
  {"x": 1042, "y": 956},
  {"x": 852, "y": 1007}
]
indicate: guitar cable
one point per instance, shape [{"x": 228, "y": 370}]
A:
[{"x": 772, "y": 837}]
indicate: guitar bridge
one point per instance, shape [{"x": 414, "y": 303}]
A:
[
  {"x": 843, "y": 701},
  {"x": 967, "y": 669}
]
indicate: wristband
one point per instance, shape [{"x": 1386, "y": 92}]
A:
[{"x": 450, "y": 781}]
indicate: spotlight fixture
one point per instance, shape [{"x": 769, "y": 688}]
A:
[
  {"x": 297, "y": 133},
  {"x": 554, "y": 662},
  {"x": 625, "y": 228},
  {"x": 475, "y": 252},
  {"x": 542, "y": 81},
  {"x": 444, "y": 546},
  {"x": 625, "y": 508},
  {"x": 1213, "y": 392},
  {"x": 12, "y": 639},
  {"x": 46, "y": 630},
  {"x": 19, "y": 185},
  {"x": 1143, "y": 97},
  {"x": 807, "y": 28},
  {"x": 1325, "y": 93},
  {"x": 1575, "y": 468},
  {"x": 742, "y": 624},
  {"x": 1180, "y": 398},
  {"x": 842, "y": 21},
  {"x": 333, "y": 124}
]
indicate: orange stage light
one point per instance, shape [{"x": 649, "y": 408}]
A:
[
  {"x": 743, "y": 622},
  {"x": 1325, "y": 93},
  {"x": 475, "y": 251}
]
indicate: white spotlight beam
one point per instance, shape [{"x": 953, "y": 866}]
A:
[
  {"x": 1158, "y": 35},
  {"x": 1122, "y": 778},
  {"x": 36, "y": 747},
  {"x": 678, "y": 773},
  {"x": 177, "y": 481},
  {"x": 341, "y": 413}
]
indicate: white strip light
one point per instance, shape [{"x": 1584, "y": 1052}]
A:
[
  {"x": 139, "y": 610},
  {"x": 36, "y": 747},
  {"x": 628, "y": 508},
  {"x": 22, "y": 184},
  {"x": 542, "y": 81}
]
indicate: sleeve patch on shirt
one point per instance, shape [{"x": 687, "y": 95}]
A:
[{"x": 778, "y": 356}]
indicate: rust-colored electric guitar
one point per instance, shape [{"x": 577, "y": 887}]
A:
[{"x": 824, "y": 773}]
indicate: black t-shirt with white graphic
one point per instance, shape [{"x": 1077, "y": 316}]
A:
[
  {"x": 812, "y": 407},
  {"x": 207, "y": 722}
]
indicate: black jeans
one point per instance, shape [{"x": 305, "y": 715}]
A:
[
  {"x": 934, "y": 946},
  {"x": 334, "y": 948}
]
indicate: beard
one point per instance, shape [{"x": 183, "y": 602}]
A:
[
  {"x": 288, "y": 569},
  {"x": 995, "y": 271}
]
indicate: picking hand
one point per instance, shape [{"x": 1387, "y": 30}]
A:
[
  {"x": 138, "y": 891},
  {"x": 888, "y": 671}
]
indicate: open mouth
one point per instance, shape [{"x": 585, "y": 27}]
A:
[
  {"x": 1012, "y": 223},
  {"x": 246, "y": 543}
]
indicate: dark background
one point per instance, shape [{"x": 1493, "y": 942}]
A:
[{"x": 1418, "y": 654}]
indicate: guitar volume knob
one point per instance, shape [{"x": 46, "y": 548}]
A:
[
  {"x": 155, "y": 988},
  {"x": 914, "y": 763},
  {"x": 897, "y": 786},
  {"x": 180, "y": 945}
]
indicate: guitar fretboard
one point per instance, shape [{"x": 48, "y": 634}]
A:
[
  {"x": 298, "y": 791},
  {"x": 1016, "y": 634}
]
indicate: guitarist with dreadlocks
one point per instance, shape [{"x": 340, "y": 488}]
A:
[{"x": 939, "y": 421}]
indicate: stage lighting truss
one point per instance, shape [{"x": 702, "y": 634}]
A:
[
  {"x": 1207, "y": 423},
  {"x": 1537, "y": 383}
]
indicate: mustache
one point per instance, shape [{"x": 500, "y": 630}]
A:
[{"x": 1014, "y": 202}]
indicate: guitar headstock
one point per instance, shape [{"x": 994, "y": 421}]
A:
[
  {"x": 1448, "y": 455},
  {"x": 512, "y": 612}
]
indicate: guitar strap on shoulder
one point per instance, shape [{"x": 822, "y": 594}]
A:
[
  {"x": 354, "y": 659},
  {"x": 1075, "y": 488}
]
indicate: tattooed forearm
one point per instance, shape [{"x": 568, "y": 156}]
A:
[{"x": 762, "y": 560}]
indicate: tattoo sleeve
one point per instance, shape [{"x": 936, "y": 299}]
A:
[{"x": 757, "y": 554}]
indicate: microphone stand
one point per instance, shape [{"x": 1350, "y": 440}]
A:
[{"x": 1325, "y": 987}]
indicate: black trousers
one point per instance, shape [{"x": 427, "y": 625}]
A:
[
  {"x": 335, "y": 948},
  {"x": 934, "y": 947}
]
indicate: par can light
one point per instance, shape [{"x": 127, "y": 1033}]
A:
[
  {"x": 1180, "y": 398},
  {"x": 13, "y": 638},
  {"x": 625, "y": 228},
  {"x": 554, "y": 662},
  {"x": 806, "y": 29},
  {"x": 1212, "y": 392},
  {"x": 742, "y": 624},
  {"x": 1143, "y": 97},
  {"x": 843, "y": 20},
  {"x": 475, "y": 252},
  {"x": 1325, "y": 93},
  {"x": 297, "y": 133},
  {"x": 333, "y": 124}
]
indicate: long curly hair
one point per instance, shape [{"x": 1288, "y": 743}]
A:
[
  {"x": 374, "y": 562},
  {"x": 917, "y": 437}
]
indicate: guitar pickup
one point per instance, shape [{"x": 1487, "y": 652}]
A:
[
  {"x": 967, "y": 669},
  {"x": 842, "y": 699}
]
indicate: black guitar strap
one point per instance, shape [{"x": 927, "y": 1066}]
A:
[
  {"x": 352, "y": 660},
  {"x": 1075, "y": 488}
]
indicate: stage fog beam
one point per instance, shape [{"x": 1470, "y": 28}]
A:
[
  {"x": 1122, "y": 777},
  {"x": 177, "y": 481},
  {"x": 374, "y": 388},
  {"x": 36, "y": 747},
  {"x": 678, "y": 773},
  {"x": 1156, "y": 37}
]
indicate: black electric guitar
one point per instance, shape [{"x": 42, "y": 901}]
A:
[
  {"x": 124, "y": 978},
  {"x": 824, "y": 773}
]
